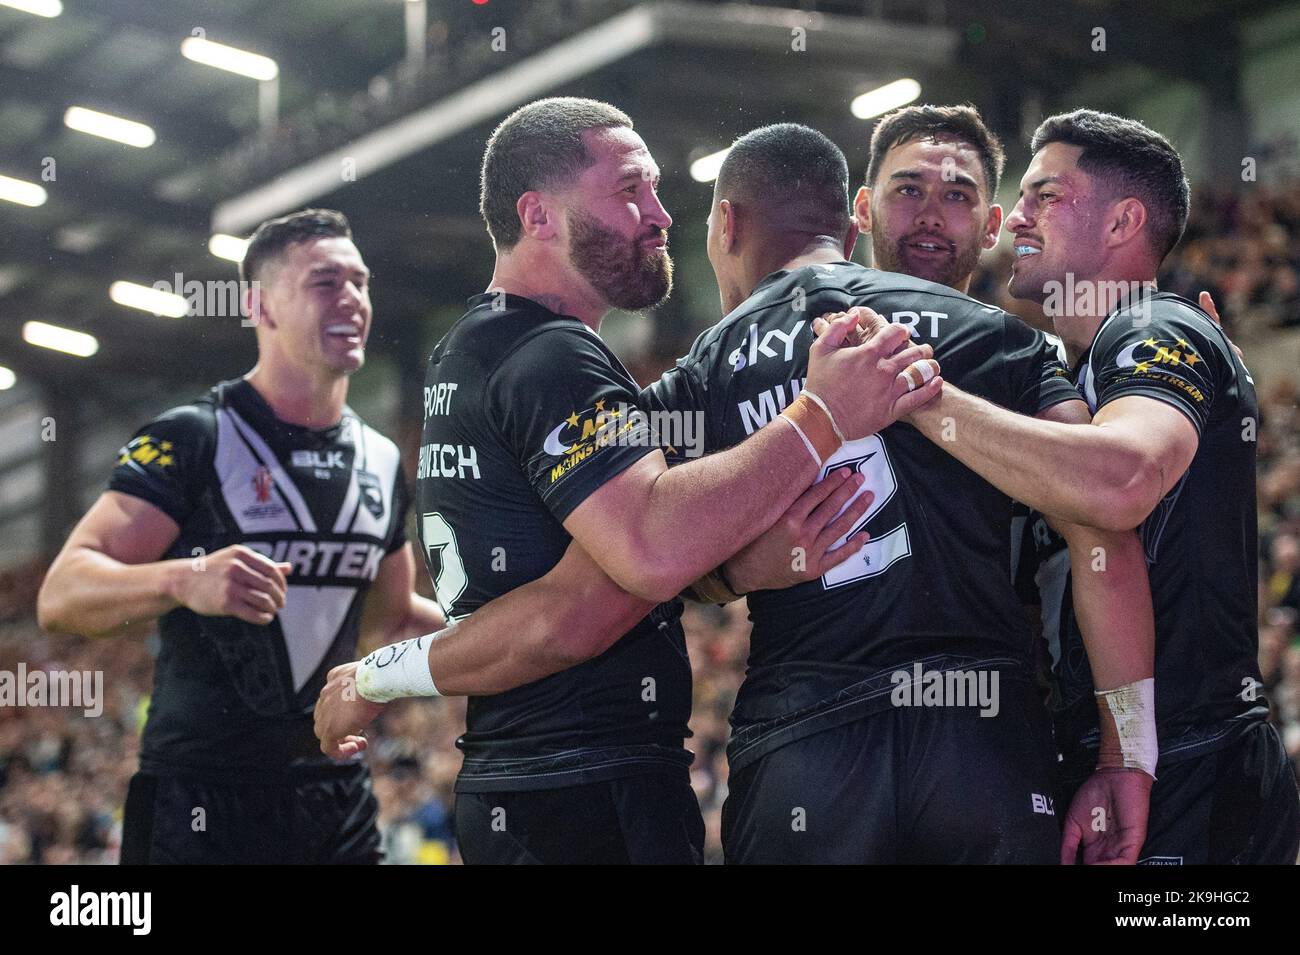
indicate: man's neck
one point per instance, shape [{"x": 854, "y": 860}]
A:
[
  {"x": 819, "y": 251},
  {"x": 558, "y": 289},
  {"x": 815, "y": 254},
  {"x": 1085, "y": 304},
  {"x": 300, "y": 399}
]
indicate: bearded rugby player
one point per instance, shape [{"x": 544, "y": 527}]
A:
[
  {"x": 520, "y": 458},
  {"x": 831, "y": 629}
]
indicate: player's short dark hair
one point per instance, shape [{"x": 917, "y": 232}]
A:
[
  {"x": 921, "y": 122},
  {"x": 792, "y": 166},
  {"x": 1132, "y": 160},
  {"x": 538, "y": 146},
  {"x": 275, "y": 235}
]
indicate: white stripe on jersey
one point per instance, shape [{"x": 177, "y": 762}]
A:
[
  {"x": 237, "y": 461},
  {"x": 311, "y": 619},
  {"x": 377, "y": 456}
]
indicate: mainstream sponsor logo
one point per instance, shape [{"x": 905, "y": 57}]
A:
[
  {"x": 146, "y": 450},
  {"x": 584, "y": 434},
  {"x": 1162, "y": 360}
]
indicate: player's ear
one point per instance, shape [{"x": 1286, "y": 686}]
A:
[
  {"x": 992, "y": 227},
  {"x": 256, "y": 307},
  {"x": 538, "y": 215},
  {"x": 862, "y": 210},
  {"x": 727, "y": 225},
  {"x": 1128, "y": 217}
]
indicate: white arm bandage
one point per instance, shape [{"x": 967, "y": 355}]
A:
[
  {"x": 1131, "y": 709},
  {"x": 396, "y": 671}
]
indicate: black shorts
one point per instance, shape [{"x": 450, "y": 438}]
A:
[
  {"x": 643, "y": 820},
  {"x": 324, "y": 817},
  {"x": 1234, "y": 806},
  {"x": 906, "y": 785}
]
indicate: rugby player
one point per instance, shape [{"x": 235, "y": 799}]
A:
[
  {"x": 1170, "y": 451},
  {"x": 263, "y": 523},
  {"x": 929, "y": 207},
  {"x": 531, "y": 441},
  {"x": 814, "y": 716},
  {"x": 826, "y": 657}
]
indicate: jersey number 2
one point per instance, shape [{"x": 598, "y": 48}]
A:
[
  {"x": 869, "y": 457},
  {"x": 450, "y": 579}
]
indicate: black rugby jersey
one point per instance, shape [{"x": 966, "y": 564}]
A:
[
  {"x": 1201, "y": 540},
  {"x": 526, "y": 414},
  {"x": 231, "y": 699},
  {"x": 933, "y": 583}
]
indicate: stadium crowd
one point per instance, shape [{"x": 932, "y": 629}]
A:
[{"x": 63, "y": 775}]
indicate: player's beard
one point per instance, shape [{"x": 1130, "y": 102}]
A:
[
  {"x": 892, "y": 255},
  {"x": 1025, "y": 286},
  {"x": 626, "y": 275}
]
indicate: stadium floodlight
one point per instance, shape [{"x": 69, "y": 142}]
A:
[
  {"x": 23, "y": 193},
  {"x": 7, "y": 378},
  {"x": 60, "y": 339},
  {"x": 228, "y": 247},
  {"x": 149, "y": 299},
  {"x": 484, "y": 99},
  {"x": 107, "y": 126},
  {"x": 706, "y": 168},
  {"x": 855, "y": 40},
  {"x": 229, "y": 58},
  {"x": 884, "y": 98},
  {"x": 42, "y": 8}
]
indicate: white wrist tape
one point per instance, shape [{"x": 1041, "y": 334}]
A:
[
  {"x": 1132, "y": 709},
  {"x": 396, "y": 671},
  {"x": 917, "y": 374},
  {"x": 829, "y": 417},
  {"x": 806, "y": 443}
]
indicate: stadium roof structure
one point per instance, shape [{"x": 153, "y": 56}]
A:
[
  {"x": 693, "y": 75},
  {"x": 381, "y": 108}
]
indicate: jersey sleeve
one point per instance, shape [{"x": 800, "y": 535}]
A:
[
  {"x": 1039, "y": 378},
  {"x": 166, "y": 462},
  {"x": 1169, "y": 353},
  {"x": 678, "y": 405},
  {"x": 569, "y": 415}
]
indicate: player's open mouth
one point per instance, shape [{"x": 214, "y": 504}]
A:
[
  {"x": 347, "y": 331},
  {"x": 930, "y": 247},
  {"x": 1023, "y": 250}
]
